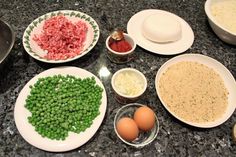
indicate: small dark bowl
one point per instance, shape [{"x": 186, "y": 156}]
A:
[{"x": 7, "y": 39}]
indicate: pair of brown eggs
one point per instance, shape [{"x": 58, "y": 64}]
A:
[{"x": 143, "y": 119}]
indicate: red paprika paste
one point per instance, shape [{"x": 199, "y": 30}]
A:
[{"x": 120, "y": 46}]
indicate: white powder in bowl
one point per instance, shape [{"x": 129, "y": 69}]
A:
[{"x": 224, "y": 12}]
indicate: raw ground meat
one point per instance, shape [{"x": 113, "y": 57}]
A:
[{"x": 61, "y": 38}]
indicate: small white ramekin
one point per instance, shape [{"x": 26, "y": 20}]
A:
[
  {"x": 121, "y": 57},
  {"x": 123, "y": 99}
]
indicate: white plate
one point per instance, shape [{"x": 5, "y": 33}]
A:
[
  {"x": 225, "y": 74},
  {"x": 74, "y": 140},
  {"x": 134, "y": 29},
  {"x": 36, "y": 27}
]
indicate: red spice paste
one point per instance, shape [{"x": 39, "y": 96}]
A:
[{"x": 120, "y": 46}]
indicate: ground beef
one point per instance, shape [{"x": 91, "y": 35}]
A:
[{"x": 61, "y": 38}]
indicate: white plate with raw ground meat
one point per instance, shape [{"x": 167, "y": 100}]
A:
[
  {"x": 197, "y": 90},
  {"x": 61, "y": 36}
]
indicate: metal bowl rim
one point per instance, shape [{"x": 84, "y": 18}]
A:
[{"x": 13, "y": 36}]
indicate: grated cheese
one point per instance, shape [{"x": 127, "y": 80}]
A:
[{"x": 128, "y": 83}]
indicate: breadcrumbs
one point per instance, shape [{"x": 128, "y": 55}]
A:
[{"x": 194, "y": 92}]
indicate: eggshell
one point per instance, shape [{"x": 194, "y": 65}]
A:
[
  {"x": 144, "y": 118},
  {"x": 127, "y": 129}
]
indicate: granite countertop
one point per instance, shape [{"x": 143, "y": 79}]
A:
[{"x": 174, "y": 139}]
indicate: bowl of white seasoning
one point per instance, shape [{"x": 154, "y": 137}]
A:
[
  {"x": 222, "y": 19},
  {"x": 129, "y": 85}
]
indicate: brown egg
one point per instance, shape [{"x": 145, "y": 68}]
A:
[
  {"x": 127, "y": 129},
  {"x": 144, "y": 118}
]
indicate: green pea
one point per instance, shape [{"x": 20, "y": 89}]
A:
[{"x": 60, "y": 104}]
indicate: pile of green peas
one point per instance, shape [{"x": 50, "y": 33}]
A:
[{"x": 60, "y": 104}]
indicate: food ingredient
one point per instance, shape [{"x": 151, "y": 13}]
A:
[
  {"x": 224, "y": 12},
  {"x": 129, "y": 83},
  {"x": 61, "y": 38},
  {"x": 118, "y": 43},
  {"x": 60, "y": 104},
  {"x": 144, "y": 117},
  {"x": 161, "y": 28},
  {"x": 234, "y": 132},
  {"x": 117, "y": 34},
  {"x": 193, "y": 92},
  {"x": 120, "y": 46},
  {"x": 127, "y": 129}
]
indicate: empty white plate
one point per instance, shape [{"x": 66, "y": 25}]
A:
[{"x": 134, "y": 29}]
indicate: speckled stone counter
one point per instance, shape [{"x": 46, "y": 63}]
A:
[{"x": 174, "y": 138}]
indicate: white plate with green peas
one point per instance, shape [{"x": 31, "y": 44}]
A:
[{"x": 60, "y": 109}]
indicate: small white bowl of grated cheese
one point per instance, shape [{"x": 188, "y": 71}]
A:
[
  {"x": 222, "y": 19},
  {"x": 129, "y": 84}
]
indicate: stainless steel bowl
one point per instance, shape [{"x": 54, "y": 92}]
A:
[{"x": 7, "y": 39}]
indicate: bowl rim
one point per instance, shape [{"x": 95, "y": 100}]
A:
[
  {"x": 207, "y": 6},
  {"x": 135, "y": 145},
  {"x": 13, "y": 36},
  {"x": 123, "y": 53},
  {"x": 135, "y": 71}
]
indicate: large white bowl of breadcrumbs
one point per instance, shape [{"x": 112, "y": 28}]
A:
[{"x": 197, "y": 90}]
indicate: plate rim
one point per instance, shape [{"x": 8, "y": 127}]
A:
[
  {"x": 31, "y": 141},
  {"x": 78, "y": 14},
  {"x": 156, "y": 51},
  {"x": 199, "y": 125}
]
